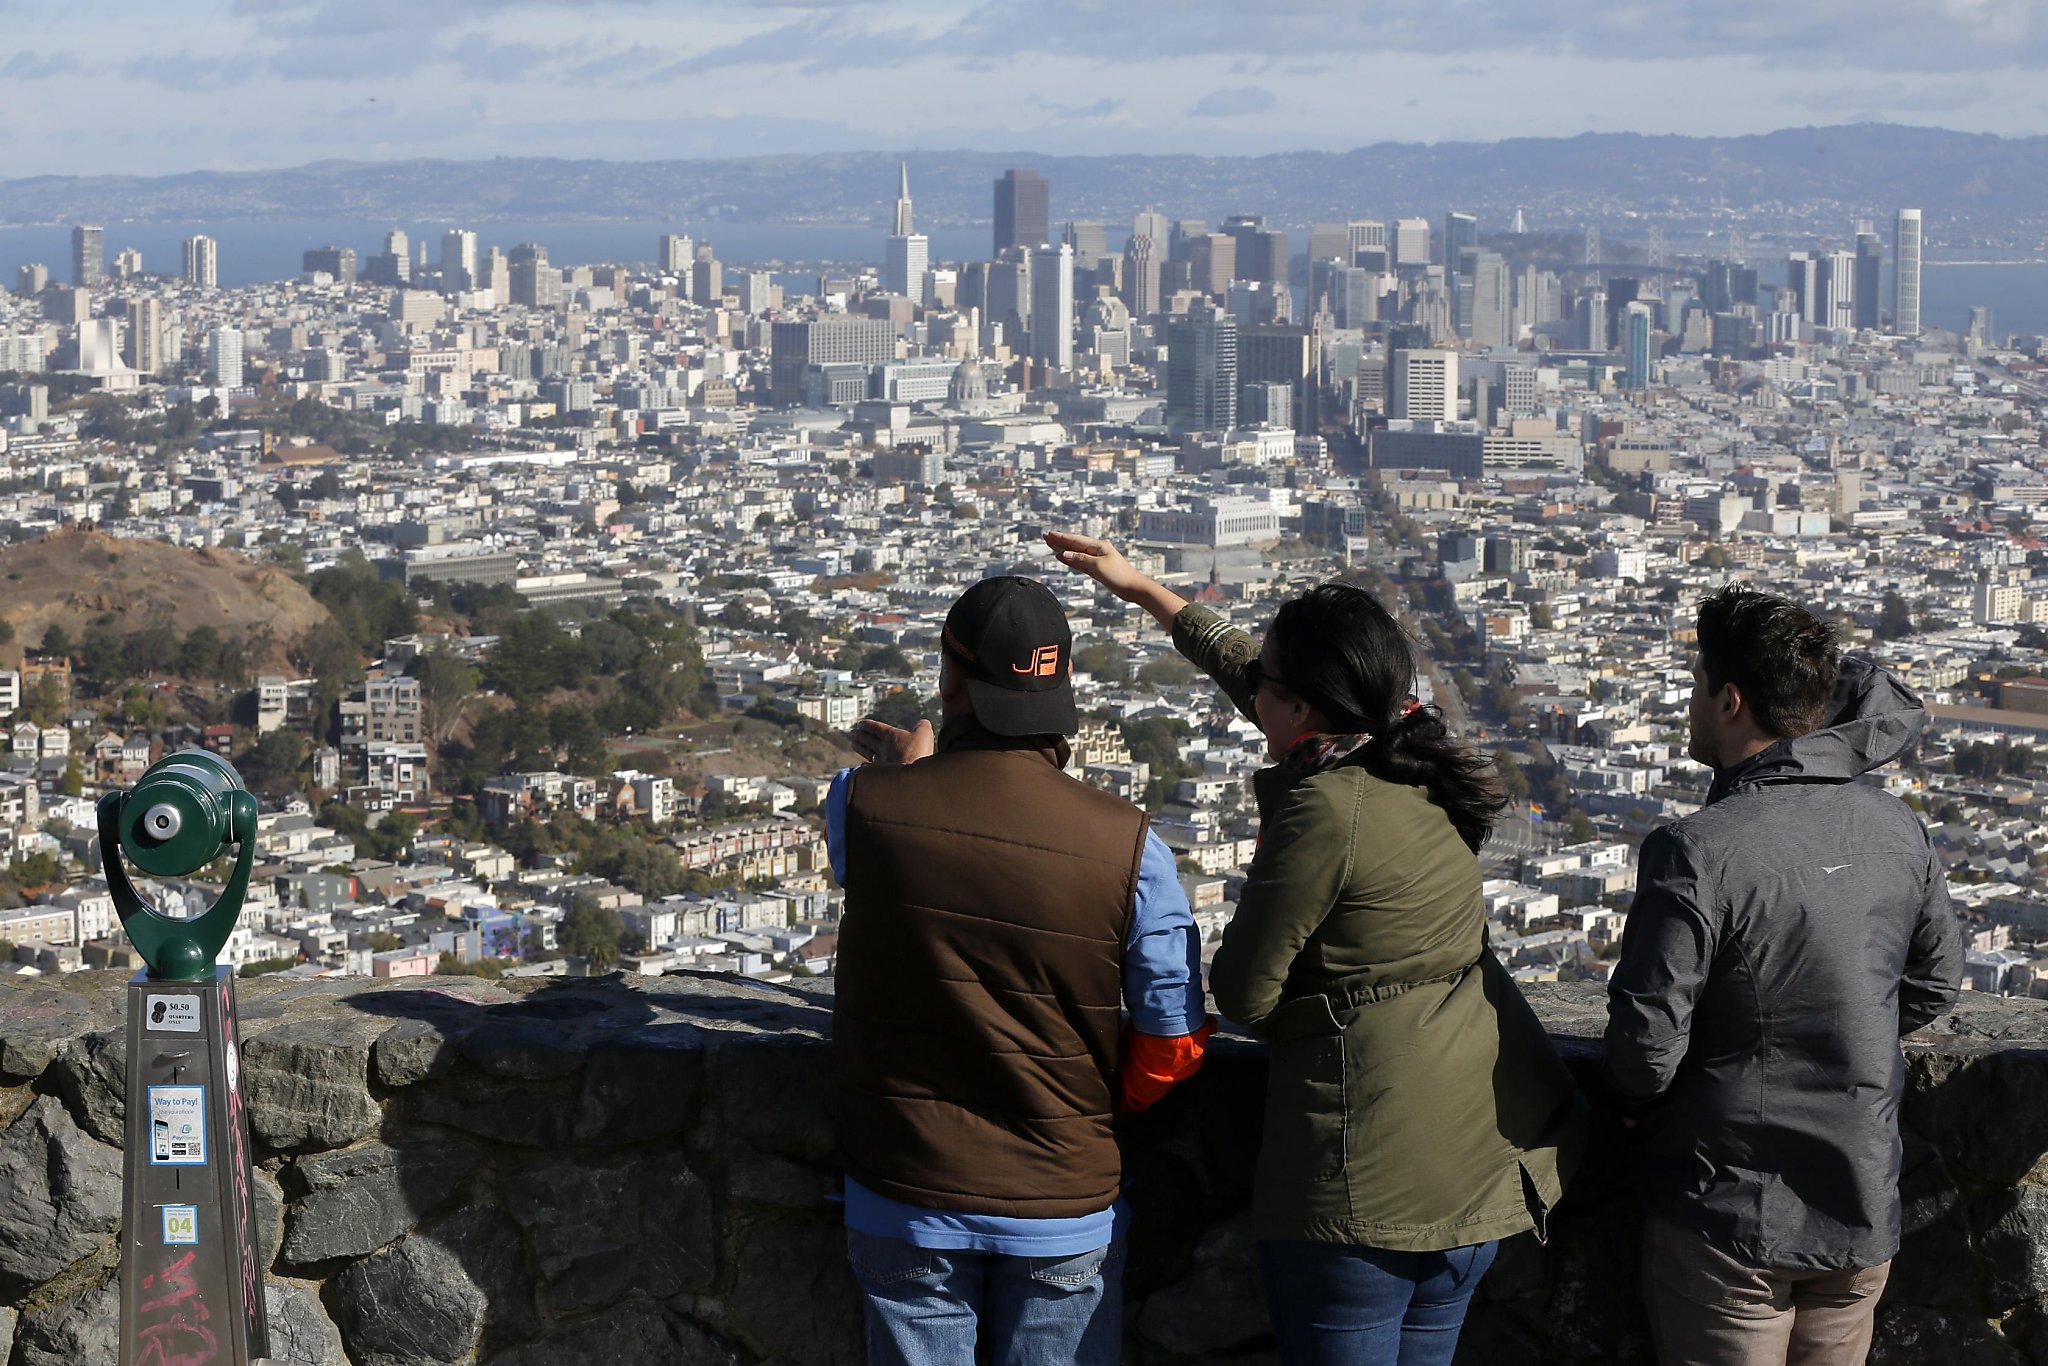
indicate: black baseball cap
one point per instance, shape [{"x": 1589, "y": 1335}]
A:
[{"x": 1010, "y": 639}]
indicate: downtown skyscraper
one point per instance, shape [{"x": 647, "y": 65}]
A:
[
  {"x": 1636, "y": 326},
  {"x": 1461, "y": 234},
  {"x": 1023, "y": 211},
  {"x": 1052, "y": 306},
  {"x": 458, "y": 259},
  {"x": 908, "y": 251},
  {"x": 1869, "y": 275},
  {"x": 1201, "y": 370},
  {"x": 337, "y": 263},
  {"x": 1906, "y": 273}
]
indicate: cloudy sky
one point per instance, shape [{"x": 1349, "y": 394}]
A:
[{"x": 141, "y": 86}]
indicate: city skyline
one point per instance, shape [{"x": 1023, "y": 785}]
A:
[{"x": 379, "y": 80}]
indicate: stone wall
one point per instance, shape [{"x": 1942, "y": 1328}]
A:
[{"x": 615, "y": 1171}]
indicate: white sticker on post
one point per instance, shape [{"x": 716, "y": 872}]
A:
[
  {"x": 181, "y": 1224},
  {"x": 172, "y": 1014},
  {"x": 177, "y": 1126}
]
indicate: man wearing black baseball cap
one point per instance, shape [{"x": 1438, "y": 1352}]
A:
[{"x": 999, "y": 918}]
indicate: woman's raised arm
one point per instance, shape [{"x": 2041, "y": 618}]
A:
[{"x": 1105, "y": 564}]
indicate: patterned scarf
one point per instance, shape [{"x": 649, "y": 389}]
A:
[
  {"x": 1311, "y": 754},
  {"x": 1316, "y": 751}
]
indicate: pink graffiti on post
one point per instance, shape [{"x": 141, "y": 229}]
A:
[{"x": 172, "y": 1327}]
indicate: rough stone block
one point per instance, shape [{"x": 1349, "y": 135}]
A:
[
  {"x": 1986, "y": 1112},
  {"x": 413, "y": 1302},
  {"x": 2013, "y": 1240},
  {"x": 91, "y": 1073},
  {"x": 1217, "y": 1307},
  {"x": 267, "y": 1203},
  {"x": 770, "y": 1092},
  {"x": 486, "y": 1241},
  {"x": 63, "y": 1196},
  {"x": 356, "y": 1200},
  {"x": 78, "y": 1328},
  {"x": 641, "y": 1086},
  {"x": 763, "y": 1180},
  {"x": 602, "y": 1229},
  {"x": 36, "y": 1023},
  {"x": 1520, "y": 1276},
  {"x": 1597, "y": 1313},
  {"x": 523, "y": 1049},
  {"x": 300, "y": 1332},
  {"x": 412, "y": 1051},
  {"x": 307, "y": 1082},
  {"x": 1494, "y": 1337},
  {"x": 14, "y": 1103},
  {"x": 526, "y": 1114},
  {"x": 1935, "y": 1266},
  {"x": 1911, "y": 1336},
  {"x": 793, "y": 1297}
]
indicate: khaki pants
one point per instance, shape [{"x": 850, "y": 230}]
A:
[{"x": 1708, "y": 1309}]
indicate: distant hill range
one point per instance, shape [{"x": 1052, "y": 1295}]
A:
[
  {"x": 1974, "y": 188},
  {"x": 71, "y": 578}
]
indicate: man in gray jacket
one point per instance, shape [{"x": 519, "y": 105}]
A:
[{"x": 1781, "y": 941}]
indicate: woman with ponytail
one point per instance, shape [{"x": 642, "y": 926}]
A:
[{"x": 1415, "y": 1112}]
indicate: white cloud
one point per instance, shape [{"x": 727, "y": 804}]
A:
[
  {"x": 1238, "y": 99},
  {"x": 591, "y": 77}
]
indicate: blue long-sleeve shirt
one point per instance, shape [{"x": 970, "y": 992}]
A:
[{"x": 1162, "y": 991}]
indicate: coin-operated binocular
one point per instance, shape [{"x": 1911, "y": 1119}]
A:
[{"x": 191, "y": 1288}]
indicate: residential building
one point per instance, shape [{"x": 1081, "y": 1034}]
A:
[{"x": 202, "y": 262}]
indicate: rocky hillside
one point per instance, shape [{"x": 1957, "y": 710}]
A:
[
  {"x": 71, "y": 578},
  {"x": 1972, "y": 185}
]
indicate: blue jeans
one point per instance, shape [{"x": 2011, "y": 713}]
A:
[
  {"x": 930, "y": 1306},
  {"x": 1333, "y": 1304}
]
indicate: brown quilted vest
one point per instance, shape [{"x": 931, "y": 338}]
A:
[{"x": 980, "y": 979}]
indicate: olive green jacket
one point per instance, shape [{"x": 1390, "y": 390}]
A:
[{"x": 1415, "y": 1102}]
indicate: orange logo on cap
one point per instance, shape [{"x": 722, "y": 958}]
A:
[{"x": 1044, "y": 662}]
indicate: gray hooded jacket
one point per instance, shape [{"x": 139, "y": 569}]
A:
[{"x": 1781, "y": 941}]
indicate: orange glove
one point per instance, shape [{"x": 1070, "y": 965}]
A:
[{"x": 1150, "y": 1064}]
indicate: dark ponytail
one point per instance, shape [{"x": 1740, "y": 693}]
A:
[
  {"x": 1344, "y": 654},
  {"x": 1419, "y": 750}
]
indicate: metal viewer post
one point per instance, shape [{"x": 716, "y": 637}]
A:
[{"x": 191, "y": 1288}]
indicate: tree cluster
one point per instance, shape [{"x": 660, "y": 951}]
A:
[
  {"x": 1894, "y": 618},
  {"x": 591, "y": 932},
  {"x": 388, "y": 840},
  {"x": 1992, "y": 759},
  {"x": 105, "y": 656},
  {"x": 635, "y": 670},
  {"x": 1155, "y": 742},
  {"x": 633, "y": 856},
  {"x": 367, "y": 610}
]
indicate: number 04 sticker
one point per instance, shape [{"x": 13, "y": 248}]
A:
[{"x": 181, "y": 1224}]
